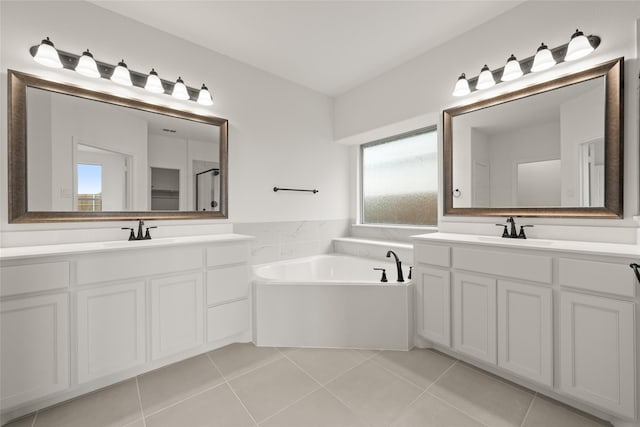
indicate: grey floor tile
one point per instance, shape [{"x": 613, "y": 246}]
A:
[
  {"x": 421, "y": 367},
  {"x": 483, "y": 397},
  {"x": 548, "y": 413},
  {"x": 373, "y": 393},
  {"x": 26, "y": 421},
  {"x": 168, "y": 385},
  {"x": 326, "y": 364},
  {"x": 319, "y": 409},
  {"x": 268, "y": 389},
  {"x": 213, "y": 408},
  {"x": 429, "y": 411},
  {"x": 113, "y": 406},
  {"x": 237, "y": 359}
]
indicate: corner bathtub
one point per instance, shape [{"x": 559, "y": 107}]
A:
[{"x": 334, "y": 301}]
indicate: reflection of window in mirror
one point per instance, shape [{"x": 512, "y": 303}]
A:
[{"x": 89, "y": 189}]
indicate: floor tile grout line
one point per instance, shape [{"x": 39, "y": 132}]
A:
[
  {"x": 397, "y": 375},
  {"x": 526, "y": 414},
  {"x": 504, "y": 381},
  {"x": 346, "y": 405},
  {"x": 358, "y": 363},
  {"x": 171, "y": 405},
  {"x": 232, "y": 389},
  {"x": 455, "y": 362},
  {"x": 33, "y": 423},
  {"x": 144, "y": 422},
  {"x": 292, "y": 403},
  {"x": 261, "y": 365},
  {"x": 462, "y": 411}
]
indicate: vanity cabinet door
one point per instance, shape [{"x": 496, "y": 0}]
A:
[
  {"x": 433, "y": 304},
  {"x": 177, "y": 314},
  {"x": 34, "y": 348},
  {"x": 597, "y": 362},
  {"x": 111, "y": 329},
  {"x": 474, "y": 316},
  {"x": 525, "y": 331}
]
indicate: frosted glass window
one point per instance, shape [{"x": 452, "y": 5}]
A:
[{"x": 400, "y": 180}]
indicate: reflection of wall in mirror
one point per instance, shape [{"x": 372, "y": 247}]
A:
[
  {"x": 94, "y": 123},
  {"x": 582, "y": 120}
]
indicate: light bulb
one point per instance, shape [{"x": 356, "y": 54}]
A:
[
  {"x": 512, "y": 69},
  {"x": 543, "y": 59},
  {"x": 579, "y": 46},
  {"x": 485, "y": 79},
  {"x": 462, "y": 86},
  {"x": 121, "y": 74},
  {"x": 87, "y": 65},
  {"x": 204, "y": 97},
  {"x": 47, "y": 54},
  {"x": 180, "y": 90},
  {"x": 153, "y": 82}
]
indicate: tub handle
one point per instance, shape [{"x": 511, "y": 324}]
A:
[{"x": 384, "y": 274}]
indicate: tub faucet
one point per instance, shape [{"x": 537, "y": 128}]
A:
[{"x": 398, "y": 265}]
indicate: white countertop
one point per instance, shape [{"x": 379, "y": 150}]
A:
[
  {"x": 91, "y": 247},
  {"x": 590, "y": 248}
]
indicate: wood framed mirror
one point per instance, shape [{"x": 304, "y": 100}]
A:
[
  {"x": 76, "y": 154},
  {"x": 554, "y": 149}
]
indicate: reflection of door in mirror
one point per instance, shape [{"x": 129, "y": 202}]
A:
[
  {"x": 207, "y": 179},
  {"x": 101, "y": 179},
  {"x": 165, "y": 189},
  {"x": 592, "y": 173}
]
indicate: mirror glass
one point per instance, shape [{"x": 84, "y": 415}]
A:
[
  {"x": 553, "y": 149},
  {"x": 531, "y": 152},
  {"x": 77, "y": 154}
]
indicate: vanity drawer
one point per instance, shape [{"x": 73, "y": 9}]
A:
[
  {"x": 617, "y": 279},
  {"x": 432, "y": 254},
  {"x": 228, "y": 283},
  {"x": 22, "y": 279},
  {"x": 227, "y": 320},
  {"x": 226, "y": 254},
  {"x": 103, "y": 267},
  {"x": 521, "y": 266}
]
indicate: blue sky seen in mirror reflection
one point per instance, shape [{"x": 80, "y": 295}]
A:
[{"x": 89, "y": 179}]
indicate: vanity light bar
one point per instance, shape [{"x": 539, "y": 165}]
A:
[
  {"x": 118, "y": 73},
  {"x": 545, "y": 58}
]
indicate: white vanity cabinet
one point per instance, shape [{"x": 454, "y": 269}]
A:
[
  {"x": 110, "y": 327},
  {"x": 559, "y": 317},
  {"x": 75, "y": 318}
]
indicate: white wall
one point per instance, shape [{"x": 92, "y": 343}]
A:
[
  {"x": 280, "y": 133},
  {"x": 421, "y": 88}
]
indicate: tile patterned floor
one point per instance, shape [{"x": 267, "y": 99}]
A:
[{"x": 243, "y": 385}]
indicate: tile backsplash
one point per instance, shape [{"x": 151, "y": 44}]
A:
[{"x": 276, "y": 241}]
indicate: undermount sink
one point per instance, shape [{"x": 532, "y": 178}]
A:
[
  {"x": 126, "y": 243},
  {"x": 528, "y": 242}
]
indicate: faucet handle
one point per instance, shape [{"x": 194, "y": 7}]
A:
[
  {"x": 410, "y": 271},
  {"x": 384, "y": 274},
  {"x": 147, "y": 236},
  {"x": 131, "y": 235},
  {"x": 522, "y": 235},
  {"x": 505, "y": 232}
]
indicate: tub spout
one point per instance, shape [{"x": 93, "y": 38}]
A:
[{"x": 398, "y": 265}]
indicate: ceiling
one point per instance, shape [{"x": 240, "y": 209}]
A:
[{"x": 328, "y": 46}]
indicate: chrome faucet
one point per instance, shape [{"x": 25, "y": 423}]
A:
[{"x": 398, "y": 265}]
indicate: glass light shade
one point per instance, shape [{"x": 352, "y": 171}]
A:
[
  {"x": 204, "y": 97},
  {"x": 121, "y": 74},
  {"x": 180, "y": 90},
  {"x": 543, "y": 59},
  {"x": 579, "y": 46},
  {"x": 153, "y": 82},
  {"x": 485, "y": 79},
  {"x": 47, "y": 54},
  {"x": 87, "y": 65},
  {"x": 512, "y": 70},
  {"x": 462, "y": 86}
]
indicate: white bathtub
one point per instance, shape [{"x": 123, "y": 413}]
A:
[{"x": 332, "y": 301}]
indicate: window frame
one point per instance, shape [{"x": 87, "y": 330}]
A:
[{"x": 395, "y": 137}]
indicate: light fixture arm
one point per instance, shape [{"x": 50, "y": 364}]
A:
[
  {"x": 558, "y": 54},
  {"x": 70, "y": 61}
]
